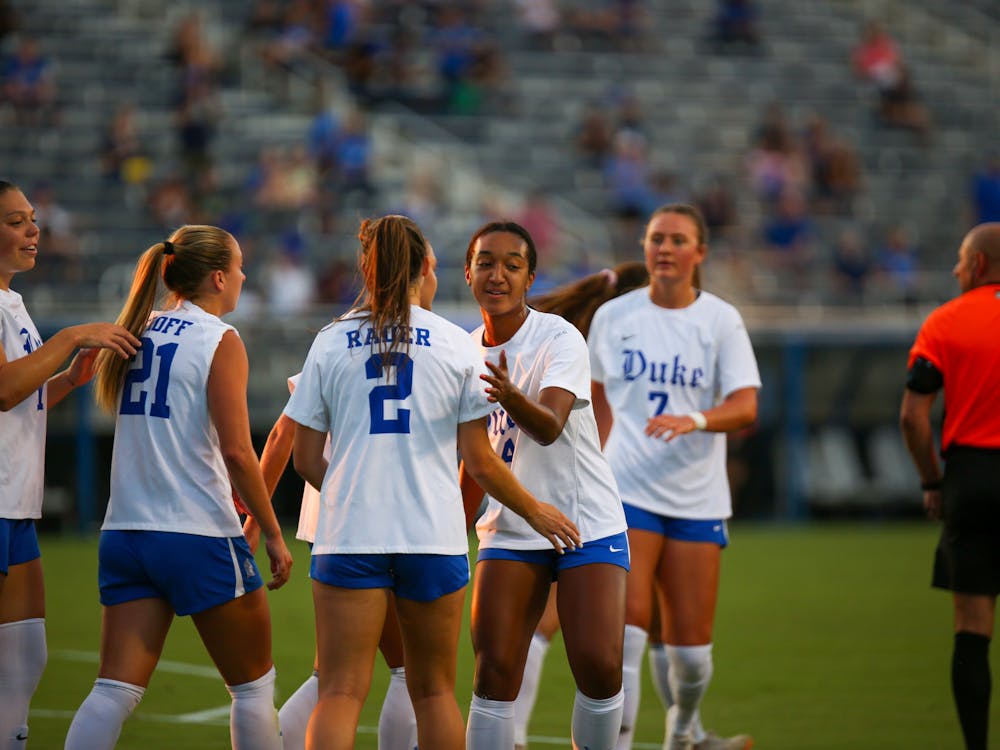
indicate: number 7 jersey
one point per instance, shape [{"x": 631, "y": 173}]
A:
[
  {"x": 167, "y": 472},
  {"x": 656, "y": 360}
]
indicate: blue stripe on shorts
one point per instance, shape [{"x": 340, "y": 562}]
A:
[
  {"x": 18, "y": 542},
  {"x": 419, "y": 577},
  {"x": 191, "y": 572},
  {"x": 611, "y": 549},
  {"x": 712, "y": 530}
]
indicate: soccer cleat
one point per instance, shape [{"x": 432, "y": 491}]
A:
[
  {"x": 678, "y": 742},
  {"x": 713, "y": 741}
]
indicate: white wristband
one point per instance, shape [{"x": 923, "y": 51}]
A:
[{"x": 700, "y": 423}]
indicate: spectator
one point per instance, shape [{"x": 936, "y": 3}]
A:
[
  {"x": 775, "y": 164},
  {"x": 851, "y": 268},
  {"x": 290, "y": 286},
  {"x": 123, "y": 157},
  {"x": 986, "y": 191},
  {"x": 540, "y": 218},
  {"x": 57, "y": 236},
  {"x": 834, "y": 169},
  {"x": 196, "y": 122},
  {"x": 790, "y": 237},
  {"x": 898, "y": 265},
  {"x": 901, "y": 107},
  {"x": 28, "y": 84},
  {"x": 718, "y": 205},
  {"x": 734, "y": 26},
  {"x": 594, "y": 137},
  {"x": 539, "y": 19},
  {"x": 877, "y": 58}
]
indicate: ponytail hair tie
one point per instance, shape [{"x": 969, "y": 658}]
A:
[
  {"x": 610, "y": 276},
  {"x": 168, "y": 247}
]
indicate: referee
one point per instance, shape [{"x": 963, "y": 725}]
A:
[{"x": 958, "y": 349}]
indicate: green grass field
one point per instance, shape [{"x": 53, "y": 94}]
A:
[{"x": 828, "y": 636}]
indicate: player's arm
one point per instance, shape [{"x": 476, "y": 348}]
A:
[
  {"x": 277, "y": 451},
  {"x": 273, "y": 460},
  {"x": 227, "y": 407},
  {"x": 543, "y": 420},
  {"x": 737, "y": 410},
  {"x": 492, "y": 474},
  {"x": 602, "y": 411},
  {"x": 20, "y": 378},
  {"x": 307, "y": 454},
  {"x": 472, "y": 495}
]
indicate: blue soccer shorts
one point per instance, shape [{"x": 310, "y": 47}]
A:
[
  {"x": 712, "y": 530},
  {"x": 193, "y": 573},
  {"x": 18, "y": 542},
  {"x": 420, "y": 578},
  {"x": 610, "y": 549}
]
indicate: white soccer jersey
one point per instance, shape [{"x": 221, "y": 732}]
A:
[
  {"x": 655, "y": 360},
  {"x": 309, "y": 510},
  {"x": 571, "y": 473},
  {"x": 167, "y": 472},
  {"x": 392, "y": 482},
  {"x": 22, "y": 429}
]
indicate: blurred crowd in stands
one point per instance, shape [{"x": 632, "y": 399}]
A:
[{"x": 447, "y": 59}]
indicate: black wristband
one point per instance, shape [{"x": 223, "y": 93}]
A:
[{"x": 932, "y": 485}]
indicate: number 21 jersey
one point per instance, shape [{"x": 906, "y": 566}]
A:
[{"x": 167, "y": 472}]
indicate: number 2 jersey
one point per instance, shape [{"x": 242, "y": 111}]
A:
[
  {"x": 167, "y": 472},
  {"x": 570, "y": 473},
  {"x": 392, "y": 481},
  {"x": 655, "y": 360},
  {"x": 22, "y": 428}
]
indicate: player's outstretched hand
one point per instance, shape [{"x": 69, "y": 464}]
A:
[
  {"x": 281, "y": 562},
  {"x": 107, "y": 336},
  {"x": 550, "y": 522},
  {"x": 501, "y": 386}
]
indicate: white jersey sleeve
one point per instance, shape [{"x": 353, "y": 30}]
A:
[{"x": 22, "y": 428}]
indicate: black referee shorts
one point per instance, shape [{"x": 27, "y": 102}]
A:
[{"x": 968, "y": 555}]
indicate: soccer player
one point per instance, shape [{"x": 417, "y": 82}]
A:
[
  {"x": 29, "y": 384},
  {"x": 397, "y": 724},
  {"x": 957, "y": 351},
  {"x": 673, "y": 372},
  {"x": 396, "y": 388},
  {"x": 172, "y": 542},
  {"x": 576, "y": 302},
  {"x": 544, "y": 428}
]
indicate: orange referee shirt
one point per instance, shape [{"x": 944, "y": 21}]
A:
[{"x": 962, "y": 340}]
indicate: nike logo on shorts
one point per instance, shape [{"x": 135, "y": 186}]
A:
[{"x": 613, "y": 548}]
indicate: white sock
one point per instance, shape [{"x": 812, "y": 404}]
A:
[
  {"x": 253, "y": 722},
  {"x": 635, "y": 644},
  {"x": 690, "y": 673},
  {"x": 98, "y": 721},
  {"x": 491, "y": 725},
  {"x": 659, "y": 673},
  {"x": 22, "y": 645},
  {"x": 397, "y": 724},
  {"x": 525, "y": 701},
  {"x": 596, "y": 722},
  {"x": 294, "y": 714}
]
